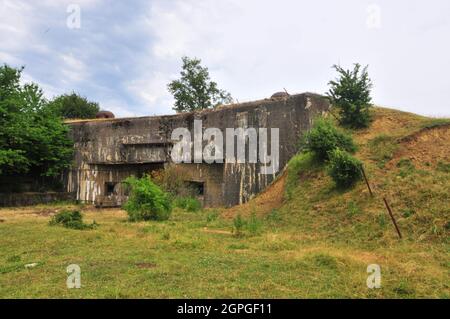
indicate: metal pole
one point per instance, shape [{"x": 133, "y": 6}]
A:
[
  {"x": 367, "y": 181},
  {"x": 392, "y": 217}
]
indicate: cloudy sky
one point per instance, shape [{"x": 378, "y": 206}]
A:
[{"x": 123, "y": 53}]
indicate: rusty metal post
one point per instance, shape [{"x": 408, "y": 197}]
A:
[
  {"x": 392, "y": 217},
  {"x": 367, "y": 181}
]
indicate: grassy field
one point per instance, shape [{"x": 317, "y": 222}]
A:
[{"x": 301, "y": 239}]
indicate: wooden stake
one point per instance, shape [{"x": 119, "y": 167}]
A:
[{"x": 392, "y": 217}]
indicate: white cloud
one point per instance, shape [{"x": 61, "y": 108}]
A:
[
  {"x": 73, "y": 69},
  {"x": 255, "y": 48},
  {"x": 125, "y": 53},
  {"x": 14, "y": 25},
  {"x": 151, "y": 90}
]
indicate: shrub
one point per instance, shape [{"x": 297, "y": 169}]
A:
[
  {"x": 324, "y": 137},
  {"x": 147, "y": 200},
  {"x": 344, "y": 168},
  {"x": 188, "y": 203},
  {"x": 71, "y": 219},
  {"x": 350, "y": 93}
]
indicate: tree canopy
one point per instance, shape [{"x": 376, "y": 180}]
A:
[
  {"x": 195, "y": 90},
  {"x": 32, "y": 136},
  {"x": 74, "y": 106},
  {"x": 350, "y": 92}
]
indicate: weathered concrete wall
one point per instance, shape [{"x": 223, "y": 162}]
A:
[
  {"x": 108, "y": 151},
  {"x": 31, "y": 189},
  {"x": 89, "y": 182},
  {"x": 28, "y": 198}
]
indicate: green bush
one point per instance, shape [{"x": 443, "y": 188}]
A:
[
  {"x": 71, "y": 219},
  {"x": 188, "y": 203},
  {"x": 350, "y": 93},
  {"x": 147, "y": 201},
  {"x": 324, "y": 137},
  {"x": 344, "y": 168}
]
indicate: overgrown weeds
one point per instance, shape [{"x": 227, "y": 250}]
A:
[
  {"x": 71, "y": 219},
  {"x": 249, "y": 226}
]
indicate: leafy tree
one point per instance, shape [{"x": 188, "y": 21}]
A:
[
  {"x": 32, "y": 136},
  {"x": 194, "y": 90},
  {"x": 147, "y": 200},
  {"x": 344, "y": 168},
  {"x": 350, "y": 92},
  {"x": 325, "y": 137},
  {"x": 74, "y": 106}
]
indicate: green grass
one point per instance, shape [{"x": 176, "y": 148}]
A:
[
  {"x": 382, "y": 149},
  {"x": 443, "y": 167},
  {"x": 280, "y": 260},
  {"x": 318, "y": 244},
  {"x": 301, "y": 167}
]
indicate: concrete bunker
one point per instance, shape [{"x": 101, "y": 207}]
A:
[{"x": 107, "y": 151}]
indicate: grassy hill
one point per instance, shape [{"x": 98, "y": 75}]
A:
[{"x": 301, "y": 238}]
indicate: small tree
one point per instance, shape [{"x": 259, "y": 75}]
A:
[
  {"x": 325, "y": 137},
  {"x": 344, "y": 168},
  {"x": 147, "y": 200},
  {"x": 350, "y": 92},
  {"x": 74, "y": 106},
  {"x": 194, "y": 90}
]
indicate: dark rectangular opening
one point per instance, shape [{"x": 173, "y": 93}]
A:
[
  {"x": 109, "y": 188},
  {"x": 197, "y": 187}
]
